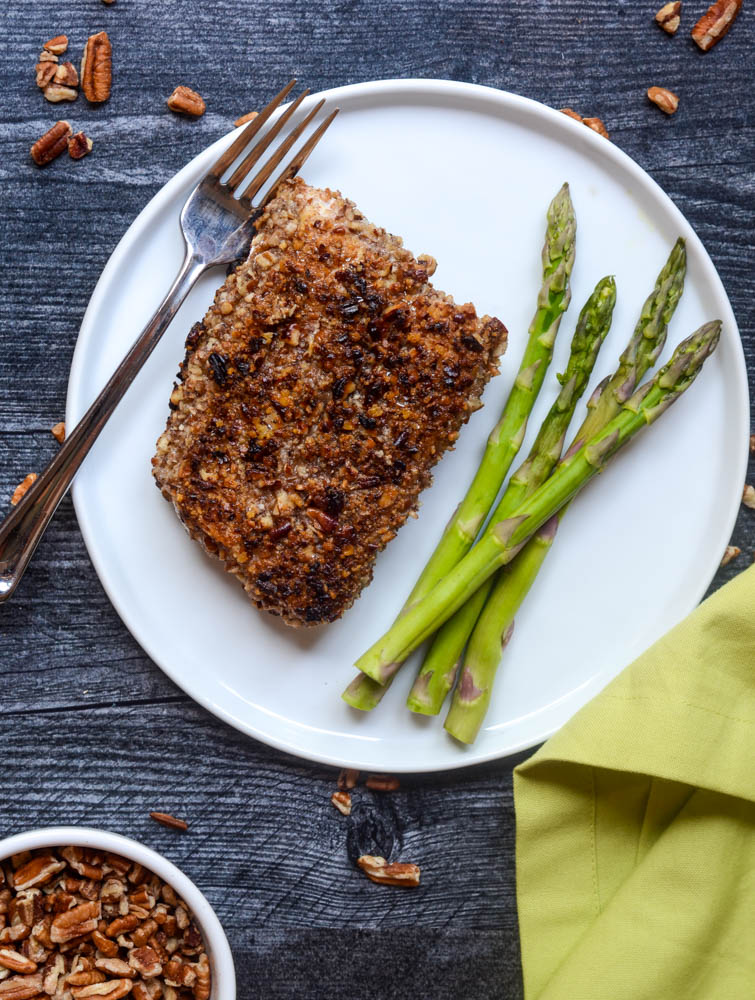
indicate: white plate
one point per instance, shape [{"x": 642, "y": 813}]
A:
[{"x": 464, "y": 173}]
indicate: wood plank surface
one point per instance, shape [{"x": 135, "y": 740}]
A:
[{"x": 91, "y": 731}]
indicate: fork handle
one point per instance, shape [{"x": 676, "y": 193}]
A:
[{"x": 22, "y": 529}]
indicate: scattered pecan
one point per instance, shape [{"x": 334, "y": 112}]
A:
[
  {"x": 715, "y": 22},
  {"x": 45, "y": 72},
  {"x": 167, "y": 820},
  {"x": 66, "y": 75},
  {"x": 246, "y": 118},
  {"x": 669, "y": 16},
  {"x": 382, "y": 783},
  {"x": 665, "y": 99},
  {"x": 57, "y": 92},
  {"x": 342, "y": 802},
  {"x": 379, "y": 870},
  {"x": 57, "y": 45},
  {"x": 732, "y": 551},
  {"x": 596, "y": 125},
  {"x": 79, "y": 145},
  {"x": 186, "y": 101},
  {"x": 23, "y": 487},
  {"x": 97, "y": 68},
  {"x": 347, "y": 779},
  {"x": 748, "y": 496}
]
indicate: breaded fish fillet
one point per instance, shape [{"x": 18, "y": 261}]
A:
[{"x": 323, "y": 384}]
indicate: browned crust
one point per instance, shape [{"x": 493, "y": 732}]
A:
[{"x": 323, "y": 384}]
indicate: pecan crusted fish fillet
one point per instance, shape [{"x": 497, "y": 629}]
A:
[{"x": 323, "y": 384}]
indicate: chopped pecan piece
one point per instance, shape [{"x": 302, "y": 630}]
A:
[
  {"x": 186, "y": 101},
  {"x": 23, "y": 487},
  {"x": 342, "y": 802},
  {"x": 146, "y": 962},
  {"x": 596, "y": 125},
  {"x": 752, "y": 444},
  {"x": 57, "y": 92},
  {"x": 97, "y": 68},
  {"x": 21, "y": 987},
  {"x": 246, "y": 118},
  {"x": 79, "y": 145},
  {"x": 45, "y": 72},
  {"x": 378, "y": 870},
  {"x": 115, "y": 967},
  {"x": 347, "y": 779},
  {"x": 57, "y": 45},
  {"x": 112, "y": 989},
  {"x": 45, "y": 56},
  {"x": 167, "y": 820},
  {"x": 55, "y": 967},
  {"x": 669, "y": 16},
  {"x": 665, "y": 99},
  {"x": 382, "y": 783},
  {"x": 82, "y": 919},
  {"x": 715, "y": 22},
  {"x": 66, "y": 75},
  {"x": 86, "y": 977},
  {"x": 748, "y": 496},
  {"x": 732, "y": 551},
  {"x": 16, "y": 962},
  {"x": 39, "y": 870},
  {"x": 570, "y": 113},
  {"x": 58, "y": 431}
]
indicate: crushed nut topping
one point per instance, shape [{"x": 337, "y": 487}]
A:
[
  {"x": 342, "y": 802},
  {"x": 21, "y": 490},
  {"x": 732, "y": 551},
  {"x": 57, "y": 45},
  {"x": 186, "y": 101},
  {"x": 665, "y": 99},
  {"x": 715, "y": 22},
  {"x": 347, "y": 779},
  {"x": 167, "y": 820},
  {"x": 97, "y": 68},
  {"x": 669, "y": 17},
  {"x": 397, "y": 873},
  {"x": 748, "y": 496},
  {"x": 382, "y": 783},
  {"x": 77, "y": 923},
  {"x": 79, "y": 146},
  {"x": 246, "y": 118}
]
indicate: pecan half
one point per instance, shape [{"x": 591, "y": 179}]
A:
[
  {"x": 82, "y": 919},
  {"x": 97, "y": 68},
  {"x": 79, "y": 146},
  {"x": 378, "y": 870},
  {"x": 16, "y": 962},
  {"x": 665, "y": 99},
  {"x": 669, "y": 16},
  {"x": 44, "y": 151},
  {"x": 23, "y": 487},
  {"x": 201, "y": 988},
  {"x": 342, "y": 802},
  {"x": 186, "y": 101},
  {"x": 57, "y": 45},
  {"x": 21, "y": 987},
  {"x": 715, "y": 22}
]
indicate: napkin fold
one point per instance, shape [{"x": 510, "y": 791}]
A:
[{"x": 635, "y": 825}]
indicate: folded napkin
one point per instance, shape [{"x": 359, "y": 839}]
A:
[{"x": 636, "y": 825}]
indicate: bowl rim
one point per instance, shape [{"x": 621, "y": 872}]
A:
[{"x": 216, "y": 942}]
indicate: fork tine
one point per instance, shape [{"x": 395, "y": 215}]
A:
[
  {"x": 262, "y": 144},
  {"x": 295, "y": 165},
  {"x": 262, "y": 175},
  {"x": 238, "y": 145}
]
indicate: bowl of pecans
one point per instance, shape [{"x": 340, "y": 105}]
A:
[{"x": 91, "y": 915}]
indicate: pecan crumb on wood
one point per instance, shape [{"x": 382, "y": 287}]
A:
[
  {"x": 97, "y": 68},
  {"x": 397, "y": 873},
  {"x": 669, "y": 17},
  {"x": 20, "y": 491},
  {"x": 186, "y": 101},
  {"x": 715, "y": 22},
  {"x": 665, "y": 99},
  {"x": 167, "y": 820}
]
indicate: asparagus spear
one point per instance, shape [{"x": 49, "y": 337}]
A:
[
  {"x": 506, "y": 438},
  {"x": 438, "y": 672},
  {"x": 471, "y": 699},
  {"x": 505, "y": 538}
]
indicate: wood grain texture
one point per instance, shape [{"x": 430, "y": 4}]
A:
[{"x": 91, "y": 731}]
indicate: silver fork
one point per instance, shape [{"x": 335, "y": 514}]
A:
[{"x": 217, "y": 228}]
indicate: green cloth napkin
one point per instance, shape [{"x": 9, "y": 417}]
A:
[{"x": 635, "y": 825}]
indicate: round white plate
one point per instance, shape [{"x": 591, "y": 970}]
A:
[{"x": 464, "y": 173}]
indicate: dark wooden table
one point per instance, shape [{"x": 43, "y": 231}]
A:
[{"x": 91, "y": 732}]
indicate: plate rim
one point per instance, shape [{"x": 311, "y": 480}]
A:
[{"x": 411, "y": 87}]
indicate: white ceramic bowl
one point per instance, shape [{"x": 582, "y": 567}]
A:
[{"x": 216, "y": 943}]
